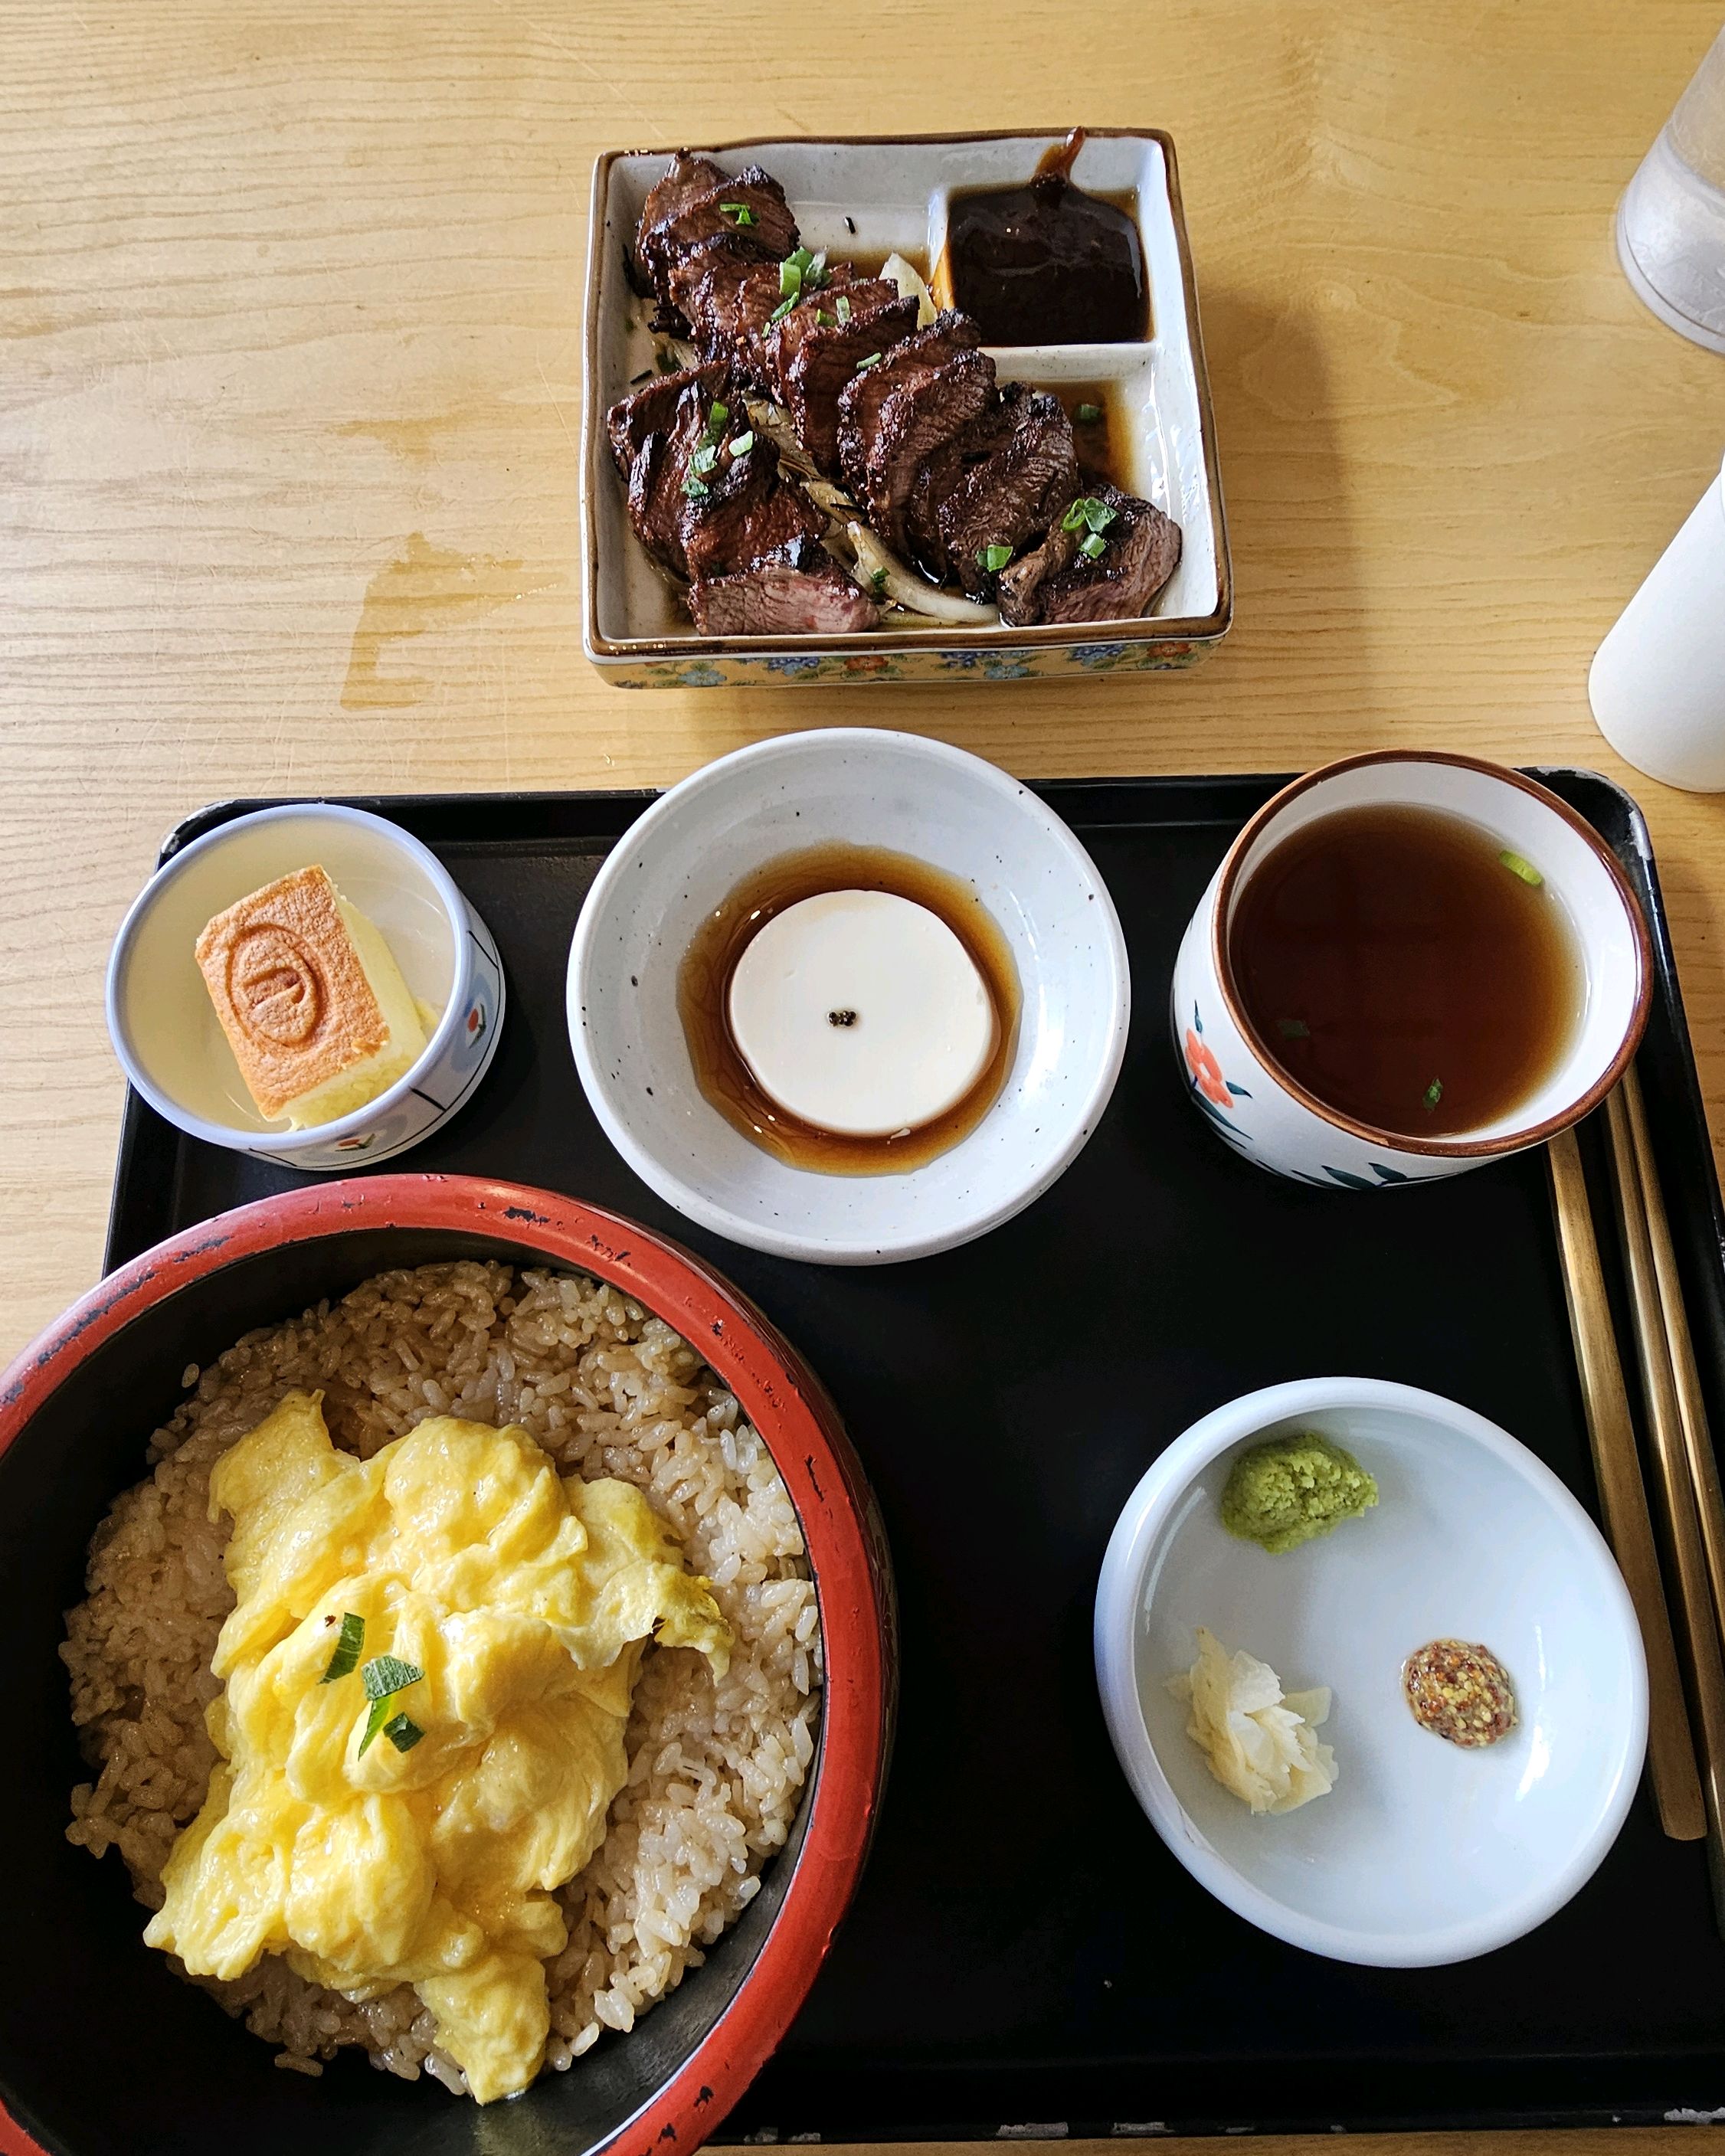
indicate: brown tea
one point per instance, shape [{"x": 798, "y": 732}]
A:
[
  {"x": 1405, "y": 968},
  {"x": 704, "y": 998}
]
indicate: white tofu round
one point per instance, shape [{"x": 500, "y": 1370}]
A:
[{"x": 862, "y": 1014}]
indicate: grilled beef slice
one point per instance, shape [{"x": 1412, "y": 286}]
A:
[
  {"x": 911, "y": 424},
  {"x": 940, "y": 473},
  {"x": 652, "y": 410},
  {"x": 860, "y": 399},
  {"x": 760, "y": 225},
  {"x": 655, "y": 481},
  {"x": 728, "y": 300},
  {"x": 1057, "y": 583},
  {"x": 801, "y": 592},
  {"x": 820, "y": 310},
  {"x": 750, "y": 511},
  {"x": 826, "y": 362},
  {"x": 1011, "y": 495},
  {"x": 687, "y": 178}
]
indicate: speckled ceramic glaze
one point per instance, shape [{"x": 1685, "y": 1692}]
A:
[
  {"x": 870, "y": 788},
  {"x": 868, "y": 195},
  {"x": 165, "y": 1029},
  {"x": 1253, "y": 1105}
]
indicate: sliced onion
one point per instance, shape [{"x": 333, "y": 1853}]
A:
[
  {"x": 774, "y": 421},
  {"x": 910, "y": 286},
  {"x": 907, "y": 591}
]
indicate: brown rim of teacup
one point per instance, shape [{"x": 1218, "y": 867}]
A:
[{"x": 1398, "y": 1141}]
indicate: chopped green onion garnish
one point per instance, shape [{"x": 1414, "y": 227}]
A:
[
  {"x": 715, "y": 419},
  {"x": 843, "y": 304},
  {"x": 992, "y": 558},
  {"x": 387, "y": 1673},
  {"x": 1088, "y": 511},
  {"x": 797, "y": 261},
  {"x": 869, "y": 361},
  {"x": 1434, "y": 1094},
  {"x": 825, "y": 320},
  {"x": 740, "y": 444},
  {"x": 1092, "y": 547},
  {"x": 781, "y": 311},
  {"x": 705, "y": 459},
  {"x": 1525, "y": 869},
  {"x": 345, "y": 1658},
  {"x": 403, "y": 1734},
  {"x": 667, "y": 364},
  {"x": 790, "y": 276},
  {"x": 695, "y": 488},
  {"x": 1293, "y": 1028},
  {"x": 1087, "y": 415},
  {"x": 877, "y": 577},
  {"x": 374, "y": 1722},
  {"x": 740, "y": 211}
]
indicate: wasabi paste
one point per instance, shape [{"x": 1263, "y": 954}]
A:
[{"x": 1284, "y": 1493}]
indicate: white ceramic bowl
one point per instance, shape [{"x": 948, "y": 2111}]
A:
[
  {"x": 164, "y": 1026},
  {"x": 1423, "y": 1852},
  {"x": 872, "y": 788}
]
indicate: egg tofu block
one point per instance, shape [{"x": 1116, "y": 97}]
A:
[
  {"x": 426, "y": 1680},
  {"x": 311, "y": 999}
]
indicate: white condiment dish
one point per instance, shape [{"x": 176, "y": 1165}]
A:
[
  {"x": 170, "y": 1043},
  {"x": 861, "y": 787},
  {"x": 1423, "y": 1852}
]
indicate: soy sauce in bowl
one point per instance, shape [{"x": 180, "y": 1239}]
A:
[
  {"x": 1045, "y": 263},
  {"x": 1407, "y": 970}
]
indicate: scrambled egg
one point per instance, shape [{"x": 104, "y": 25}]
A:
[{"x": 521, "y": 1603}]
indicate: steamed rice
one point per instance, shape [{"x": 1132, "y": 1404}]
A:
[{"x": 715, "y": 1770}]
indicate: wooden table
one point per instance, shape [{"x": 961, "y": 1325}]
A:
[{"x": 289, "y": 379}]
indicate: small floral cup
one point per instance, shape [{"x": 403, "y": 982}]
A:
[
  {"x": 1232, "y": 1075},
  {"x": 165, "y": 1029}
]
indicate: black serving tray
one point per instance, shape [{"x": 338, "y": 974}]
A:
[{"x": 1024, "y": 1957}]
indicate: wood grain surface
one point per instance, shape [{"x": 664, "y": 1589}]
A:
[{"x": 289, "y": 385}]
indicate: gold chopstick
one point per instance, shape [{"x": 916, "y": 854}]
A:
[
  {"x": 1659, "y": 1391},
  {"x": 1692, "y": 1408},
  {"x": 1623, "y": 1495}
]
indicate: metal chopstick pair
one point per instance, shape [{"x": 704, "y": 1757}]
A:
[{"x": 1685, "y": 1475}]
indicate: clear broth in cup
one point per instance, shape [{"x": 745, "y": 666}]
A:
[{"x": 1407, "y": 970}]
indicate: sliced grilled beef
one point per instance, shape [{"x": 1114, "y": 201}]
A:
[
  {"x": 943, "y": 472},
  {"x": 911, "y": 424},
  {"x": 750, "y": 512},
  {"x": 821, "y": 310},
  {"x": 728, "y": 300},
  {"x": 1013, "y": 494},
  {"x": 1057, "y": 582},
  {"x": 826, "y": 362},
  {"x": 946, "y": 336},
  {"x": 655, "y": 481},
  {"x": 687, "y": 178},
  {"x": 749, "y": 214},
  {"x": 801, "y": 592},
  {"x": 652, "y": 410}
]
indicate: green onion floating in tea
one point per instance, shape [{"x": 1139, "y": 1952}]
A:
[
  {"x": 1525, "y": 869},
  {"x": 739, "y": 211},
  {"x": 1434, "y": 1094},
  {"x": 992, "y": 558},
  {"x": 1087, "y": 415},
  {"x": 348, "y": 1649},
  {"x": 1293, "y": 1028}
]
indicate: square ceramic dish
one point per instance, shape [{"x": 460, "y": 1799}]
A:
[{"x": 894, "y": 193}]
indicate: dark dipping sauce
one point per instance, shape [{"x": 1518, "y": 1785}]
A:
[
  {"x": 1045, "y": 263},
  {"x": 1397, "y": 966},
  {"x": 704, "y": 1003}
]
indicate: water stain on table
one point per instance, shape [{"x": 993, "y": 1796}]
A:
[{"x": 425, "y": 587}]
